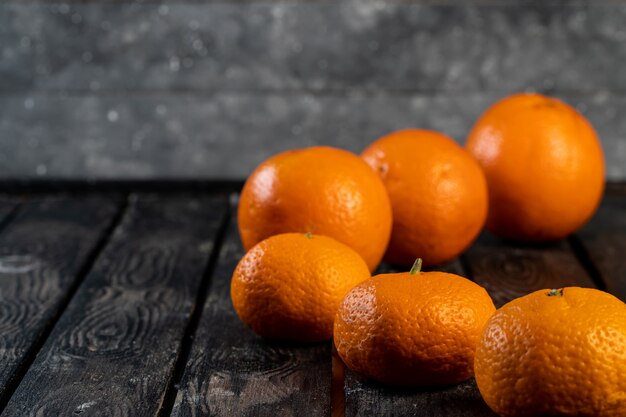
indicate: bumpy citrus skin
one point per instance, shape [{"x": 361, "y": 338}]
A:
[
  {"x": 404, "y": 329},
  {"x": 438, "y": 195},
  {"x": 321, "y": 190},
  {"x": 561, "y": 355},
  {"x": 544, "y": 167},
  {"x": 289, "y": 286}
]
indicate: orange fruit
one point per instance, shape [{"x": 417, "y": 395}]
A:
[
  {"x": 321, "y": 190},
  {"x": 412, "y": 328},
  {"x": 289, "y": 286},
  {"x": 438, "y": 195},
  {"x": 544, "y": 167},
  {"x": 555, "y": 352}
]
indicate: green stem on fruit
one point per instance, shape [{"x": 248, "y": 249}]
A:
[
  {"x": 308, "y": 235},
  {"x": 555, "y": 293},
  {"x": 417, "y": 267}
]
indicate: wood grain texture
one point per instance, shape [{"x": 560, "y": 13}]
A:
[
  {"x": 233, "y": 372},
  {"x": 365, "y": 399},
  {"x": 112, "y": 351},
  {"x": 509, "y": 270},
  {"x": 604, "y": 241},
  {"x": 41, "y": 253}
]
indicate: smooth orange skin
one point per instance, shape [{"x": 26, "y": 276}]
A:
[
  {"x": 544, "y": 167},
  {"x": 558, "y": 355},
  {"x": 288, "y": 287},
  {"x": 438, "y": 195},
  {"x": 321, "y": 190},
  {"x": 403, "y": 329}
]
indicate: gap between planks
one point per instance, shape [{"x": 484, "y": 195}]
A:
[
  {"x": 169, "y": 399},
  {"x": 83, "y": 271},
  {"x": 156, "y": 241},
  {"x": 581, "y": 253},
  {"x": 338, "y": 368},
  {"x": 337, "y": 385}
]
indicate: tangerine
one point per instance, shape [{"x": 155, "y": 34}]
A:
[
  {"x": 289, "y": 286},
  {"x": 544, "y": 167},
  {"x": 321, "y": 190},
  {"x": 412, "y": 328},
  {"x": 438, "y": 195},
  {"x": 555, "y": 352}
]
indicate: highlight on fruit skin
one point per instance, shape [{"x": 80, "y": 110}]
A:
[
  {"x": 555, "y": 352},
  {"x": 323, "y": 190},
  {"x": 288, "y": 286},
  {"x": 544, "y": 166},
  {"x": 413, "y": 328},
  {"x": 438, "y": 194}
]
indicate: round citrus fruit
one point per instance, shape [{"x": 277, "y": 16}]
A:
[
  {"x": 438, "y": 195},
  {"x": 413, "y": 328},
  {"x": 321, "y": 190},
  {"x": 289, "y": 286},
  {"x": 544, "y": 167},
  {"x": 555, "y": 352}
]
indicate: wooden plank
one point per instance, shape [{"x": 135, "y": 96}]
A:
[
  {"x": 209, "y": 137},
  {"x": 42, "y": 253},
  {"x": 114, "y": 348},
  {"x": 233, "y": 372},
  {"x": 509, "y": 270},
  {"x": 365, "y": 398},
  {"x": 604, "y": 242}
]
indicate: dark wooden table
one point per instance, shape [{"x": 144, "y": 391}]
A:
[{"x": 114, "y": 301}]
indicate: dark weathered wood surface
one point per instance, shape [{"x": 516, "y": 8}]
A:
[
  {"x": 366, "y": 399},
  {"x": 510, "y": 270},
  {"x": 42, "y": 252},
  {"x": 151, "y": 330},
  {"x": 114, "y": 348},
  {"x": 233, "y": 372},
  {"x": 604, "y": 241}
]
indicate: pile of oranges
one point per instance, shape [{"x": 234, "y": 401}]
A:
[{"x": 317, "y": 222}]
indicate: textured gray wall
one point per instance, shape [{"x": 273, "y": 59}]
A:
[{"x": 114, "y": 89}]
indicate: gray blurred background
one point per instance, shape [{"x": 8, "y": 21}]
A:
[{"x": 208, "y": 89}]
